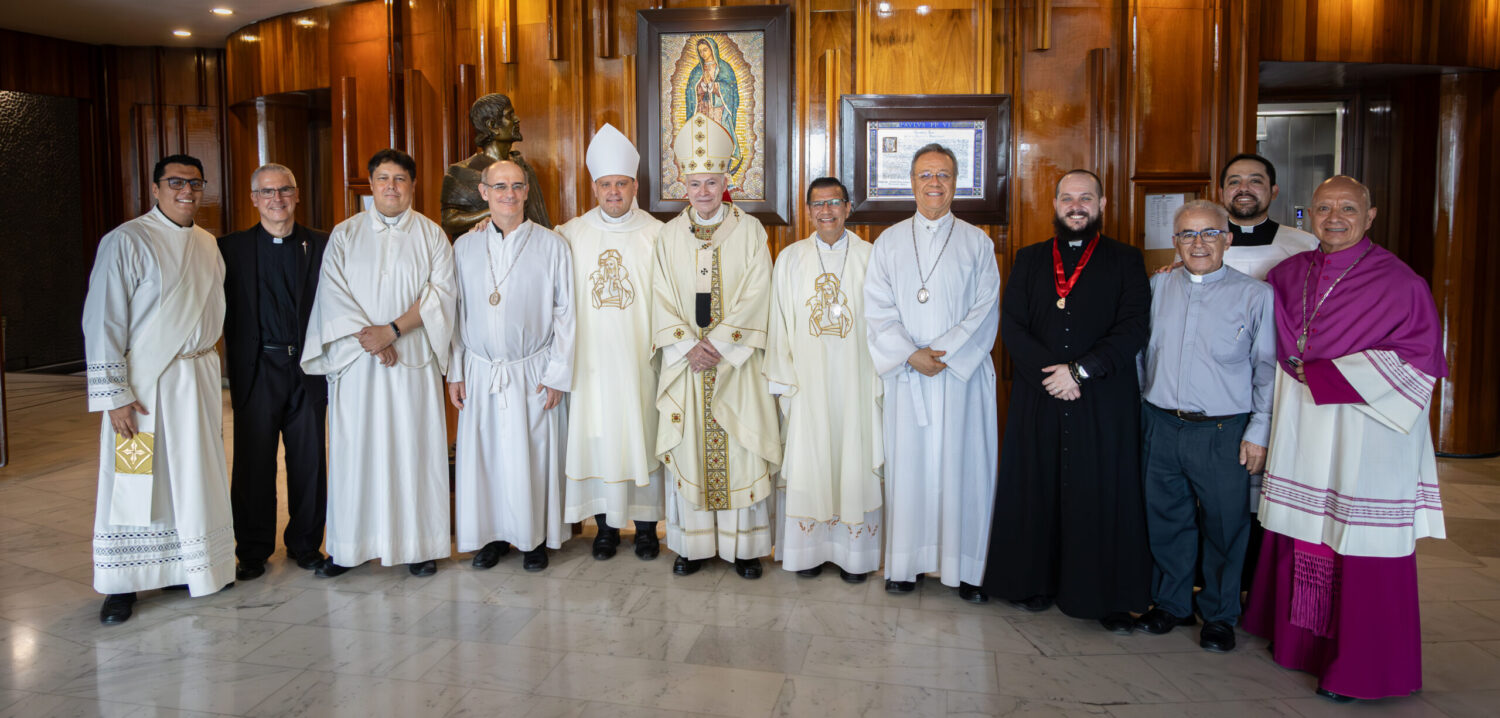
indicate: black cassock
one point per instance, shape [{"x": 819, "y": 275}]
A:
[{"x": 1070, "y": 518}]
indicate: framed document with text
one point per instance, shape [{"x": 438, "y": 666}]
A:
[{"x": 880, "y": 134}]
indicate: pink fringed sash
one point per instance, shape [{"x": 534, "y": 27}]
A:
[{"x": 1314, "y": 586}]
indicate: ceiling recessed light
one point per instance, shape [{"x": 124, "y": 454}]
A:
[
  {"x": 222, "y": 11},
  {"x": 306, "y": 21},
  {"x": 182, "y": 33},
  {"x": 250, "y": 38}
]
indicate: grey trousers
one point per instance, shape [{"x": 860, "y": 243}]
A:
[{"x": 1194, "y": 483}]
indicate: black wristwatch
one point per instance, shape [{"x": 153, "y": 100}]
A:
[{"x": 396, "y": 329}]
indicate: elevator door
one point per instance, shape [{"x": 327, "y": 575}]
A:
[{"x": 1304, "y": 140}]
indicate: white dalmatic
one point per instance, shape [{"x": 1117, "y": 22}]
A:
[
  {"x": 941, "y": 441},
  {"x": 387, "y": 438},
  {"x": 515, "y": 300},
  {"x": 829, "y": 503},
  {"x": 154, "y": 309},
  {"x": 612, "y": 468}
]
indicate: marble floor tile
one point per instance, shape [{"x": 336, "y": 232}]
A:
[
  {"x": 713, "y": 608},
  {"x": 493, "y": 666},
  {"x": 315, "y": 694},
  {"x": 1477, "y": 535},
  {"x": 842, "y": 620},
  {"x": 1237, "y": 676},
  {"x": 1408, "y": 707},
  {"x": 31, "y": 660},
  {"x": 247, "y": 600},
  {"x": 1208, "y": 709},
  {"x": 1456, "y": 621},
  {"x": 10, "y": 697},
  {"x": 229, "y": 639},
  {"x": 379, "y": 612},
  {"x": 902, "y": 664},
  {"x": 543, "y": 592},
  {"x": 960, "y": 630},
  {"x": 1085, "y": 679},
  {"x": 754, "y": 649},
  {"x": 15, "y": 578},
  {"x": 975, "y": 705},
  {"x": 181, "y": 682},
  {"x": 1490, "y": 647},
  {"x": 661, "y": 685},
  {"x": 52, "y": 706},
  {"x": 367, "y": 653},
  {"x": 1459, "y": 667},
  {"x": 1057, "y": 635},
  {"x": 1465, "y": 704},
  {"x": 777, "y": 581},
  {"x": 609, "y": 635},
  {"x": 809, "y": 696},
  {"x": 937, "y": 597},
  {"x": 626, "y": 569},
  {"x": 308, "y": 605},
  {"x": 479, "y": 622},
  {"x": 463, "y": 583},
  {"x": 1488, "y": 609},
  {"x": 1444, "y": 554}
]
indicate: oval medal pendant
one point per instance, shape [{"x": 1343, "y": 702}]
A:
[
  {"x": 494, "y": 298},
  {"x": 1302, "y": 344},
  {"x": 922, "y": 295},
  {"x": 837, "y": 310},
  {"x": 1062, "y": 302}
]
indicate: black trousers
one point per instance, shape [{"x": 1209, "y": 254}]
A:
[{"x": 278, "y": 408}]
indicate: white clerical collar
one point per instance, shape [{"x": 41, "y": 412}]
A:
[
  {"x": 838, "y": 244},
  {"x": 709, "y": 222},
  {"x": 933, "y": 225},
  {"x": 1210, "y": 278},
  {"x": 383, "y": 221},
  {"x": 622, "y": 219},
  {"x": 1250, "y": 228}
]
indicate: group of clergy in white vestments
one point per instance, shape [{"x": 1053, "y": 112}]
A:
[{"x": 835, "y": 407}]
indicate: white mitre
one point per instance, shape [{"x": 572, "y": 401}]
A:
[
  {"x": 703, "y": 146},
  {"x": 610, "y": 153}
]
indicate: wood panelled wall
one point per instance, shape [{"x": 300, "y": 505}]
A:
[
  {"x": 1456, "y": 33},
  {"x": 136, "y": 105}
]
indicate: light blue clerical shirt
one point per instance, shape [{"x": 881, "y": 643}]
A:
[{"x": 1212, "y": 347}]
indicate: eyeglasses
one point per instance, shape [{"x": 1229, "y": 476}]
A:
[
  {"x": 269, "y": 192},
  {"x": 501, "y": 186},
  {"x": 943, "y": 177},
  {"x": 833, "y": 203},
  {"x": 1209, "y": 236},
  {"x": 180, "y": 182}
]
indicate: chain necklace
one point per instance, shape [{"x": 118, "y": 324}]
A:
[
  {"x": 490, "y": 264},
  {"x": 836, "y": 309},
  {"x": 922, "y": 294},
  {"x": 1306, "y": 319}
]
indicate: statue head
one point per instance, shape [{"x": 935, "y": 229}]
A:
[{"x": 494, "y": 119}]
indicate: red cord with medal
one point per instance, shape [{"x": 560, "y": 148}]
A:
[{"x": 1062, "y": 283}]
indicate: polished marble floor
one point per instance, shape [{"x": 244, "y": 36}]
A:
[{"x": 625, "y": 638}]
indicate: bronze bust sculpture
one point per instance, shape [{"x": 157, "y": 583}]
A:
[{"x": 496, "y": 130}]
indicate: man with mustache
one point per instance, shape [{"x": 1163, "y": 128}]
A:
[
  {"x": 1069, "y": 519},
  {"x": 1351, "y": 479},
  {"x": 1206, "y": 383},
  {"x": 154, "y": 309},
  {"x": 1247, "y": 187},
  {"x": 272, "y": 277},
  {"x": 380, "y": 331}
]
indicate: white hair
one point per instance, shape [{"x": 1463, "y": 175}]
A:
[
  {"x": 1220, "y": 214},
  {"x": 270, "y": 167}
]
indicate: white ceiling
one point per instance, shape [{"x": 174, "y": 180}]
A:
[{"x": 142, "y": 22}]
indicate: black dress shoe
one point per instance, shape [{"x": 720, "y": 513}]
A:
[
  {"x": 329, "y": 569},
  {"x": 1035, "y": 604},
  {"x": 1157, "y": 622},
  {"x": 605, "y": 543},
  {"x": 1335, "y": 697},
  {"x": 851, "y": 577},
  {"x": 973, "y": 594},
  {"x": 813, "y": 572},
  {"x": 685, "y": 566},
  {"x": 647, "y": 545},
  {"x": 175, "y": 587},
  {"x": 535, "y": 559},
  {"x": 490, "y": 554},
  {"x": 248, "y": 571},
  {"x": 117, "y": 608},
  {"x": 309, "y": 561},
  {"x": 900, "y": 586},
  {"x": 1118, "y": 622},
  {"x": 422, "y": 568},
  {"x": 747, "y": 568},
  {"x": 1217, "y": 636}
]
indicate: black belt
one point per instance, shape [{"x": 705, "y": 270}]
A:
[
  {"x": 1193, "y": 416},
  {"x": 286, "y": 349}
]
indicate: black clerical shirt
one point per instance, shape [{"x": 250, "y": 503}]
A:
[
  {"x": 276, "y": 274},
  {"x": 1259, "y": 236}
]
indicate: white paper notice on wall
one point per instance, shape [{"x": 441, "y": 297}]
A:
[{"x": 1159, "y": 211}]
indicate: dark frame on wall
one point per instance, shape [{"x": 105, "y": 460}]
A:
[
  {"x": 775, "y": 22},
  {"x": 989, "y": 112}
]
